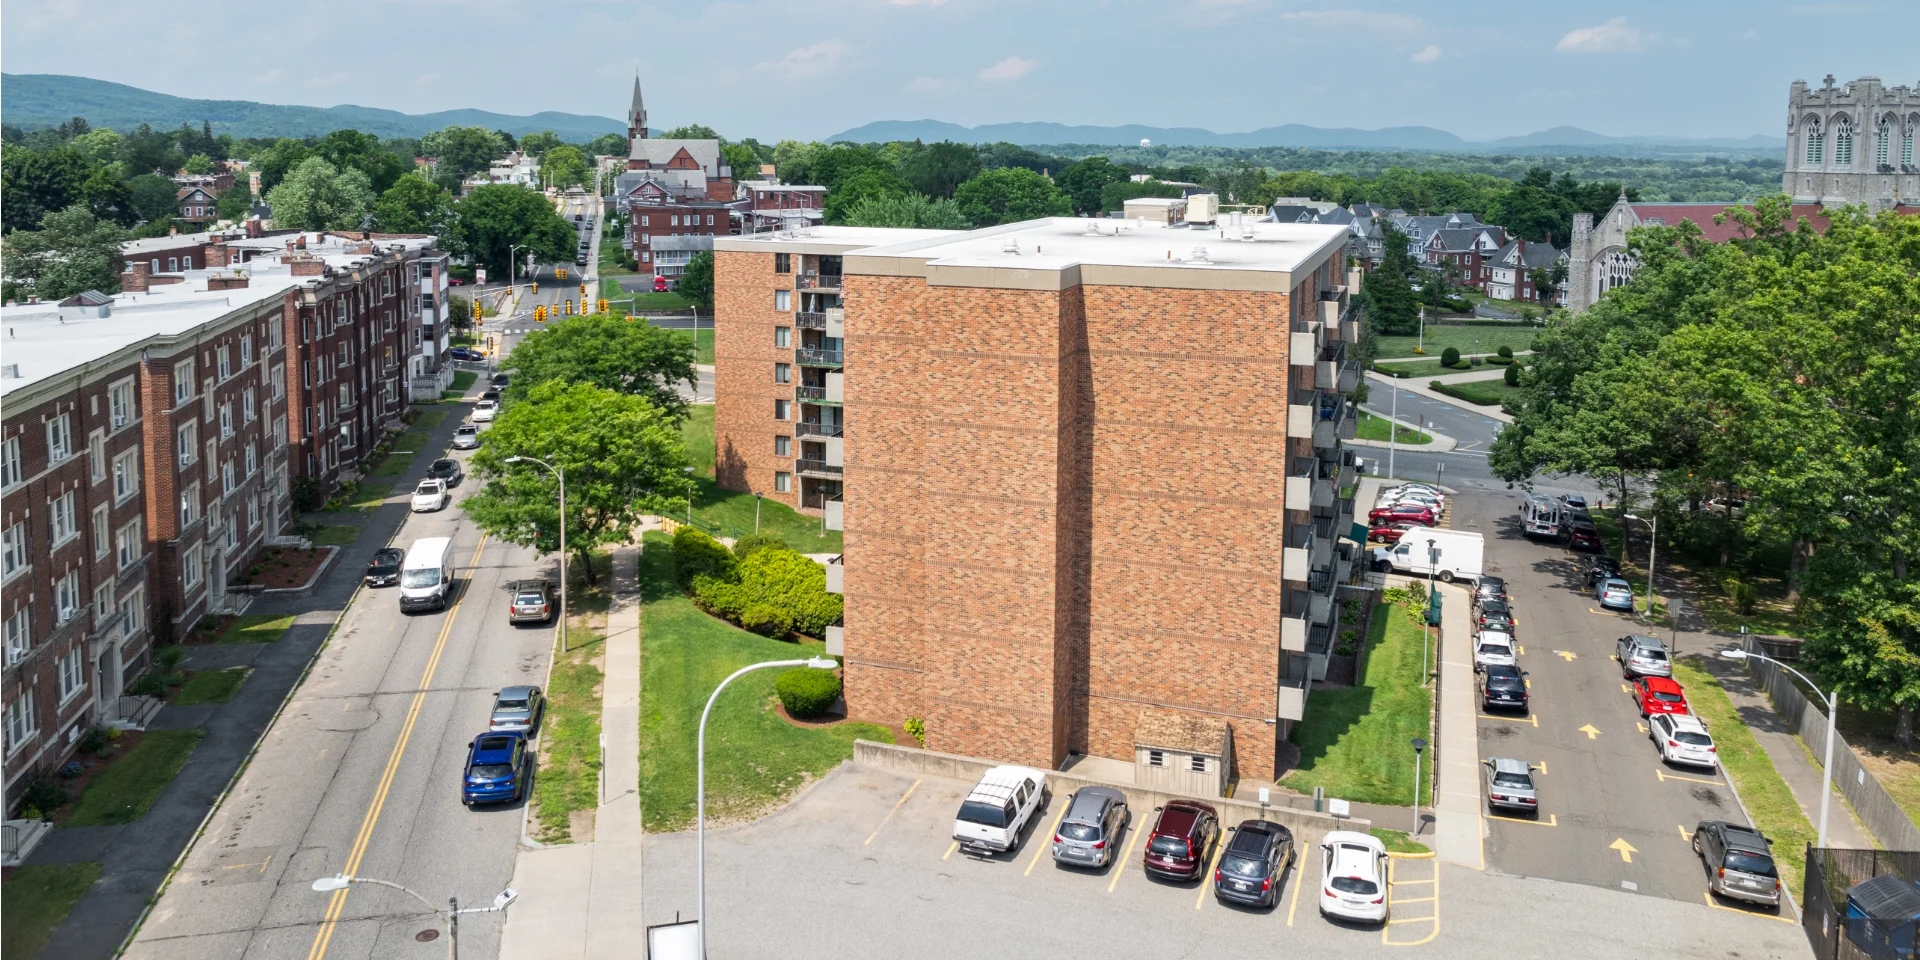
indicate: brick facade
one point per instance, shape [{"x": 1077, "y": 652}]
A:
[{"x": 745, "y": 387}]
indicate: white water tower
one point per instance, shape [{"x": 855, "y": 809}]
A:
[{"x": 1144, "y": 142}]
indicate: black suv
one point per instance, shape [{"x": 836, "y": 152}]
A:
[
  {"x": 1256, "y": 859},
  {"x": 1495, "y": 615},
  {"x": 1489, "y": 588},
  {"x": 384, "y": 569},
  {"x": 448, "y": 470},
  {"x": 1503, "y": 685},
  {"x": 1599, "y": 568},
  {"x": 1739, "y": 862}
]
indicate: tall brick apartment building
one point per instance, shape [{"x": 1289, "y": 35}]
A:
[
  {"x": 1091, "y": 470},
  {"x": 149, "y": 447}
]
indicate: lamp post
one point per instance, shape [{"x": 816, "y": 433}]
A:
[
  {"x": 512, "y": 248},
  {"x": 700, "y": 780},
  {"x": 1653, "y": 545},
  {"x": 561, "y": 475},
  {"x": 1423, "y": 330},
  {"x": 1833, "y": 711},
  {"x": 756, "y": 513},
  {"x": 452, "y": 913},
  {"x": 689, "y": 472},
  {"x": 1419, "y": 744}
]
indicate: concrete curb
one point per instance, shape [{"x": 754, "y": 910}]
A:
[
  {"x": 333, "y": 553},
  {"x": 1441, "y": 442},
  {"x": 1414, "y": 386}
]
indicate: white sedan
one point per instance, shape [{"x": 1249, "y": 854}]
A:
[
  {"x": 1353, "y": 877},
  {"x": 484, "y": 410},
  {"x": 466, "y": 437},
  {"x": 431, "y": 495},
  {"x": 1493, "y": 647}
]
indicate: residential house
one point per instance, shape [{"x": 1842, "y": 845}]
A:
[{"x": 1510, "y": 271}]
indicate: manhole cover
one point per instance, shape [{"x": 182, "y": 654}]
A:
[{"x": 427, "y": 936}]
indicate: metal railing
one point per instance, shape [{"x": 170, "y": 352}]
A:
[
  {"x": 820, "y": 358},
  {"x": 810, "y": 320},
  {"x": 809, "y": 429},
  {"x": 817, "y": 466},
  {"x": 806, "y": 393},
  {"x": 816, "y": 281}
]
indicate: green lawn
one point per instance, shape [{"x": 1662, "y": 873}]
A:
[
  {"x": 730, "y": 513},
  {"x": 1371, "y": 427},
  {"x": 462, "y": 379},
  {"x": 1399, "y": 841},
  {"x": 702, "y": 341},
  {"x": 1430, "y": 367},
  {"x": 210, "y": 686},
  {"x": 36, "y": 899},
  {"x": 126, "y": 789},
  {"x": 1486, "y": 393},
  {"x": 405, "y": 448},
  {"x": 334, "y": 535},
  {"x": 1465, "y": 339},
  {"x": 569, "y": 774},
  {"x": 1354, "y": 742},
  {"x": 255, "y": 628},
  {"x": 755, "y": 759},
  {"x": 1766, "y": 796}
]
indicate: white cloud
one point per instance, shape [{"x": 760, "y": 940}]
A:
[
  {"x": 1360, "y": 19},
  {"x": 1614, "y": 36},
  {"x": 1428, "y": 55},
  {"x": 327, "y": 81},
  {"x": 1012, "y": 68},
  {"x": 269, "y": 76},
  {"x": 807, "y": 62},
  {"x": 925, "y": 84}
]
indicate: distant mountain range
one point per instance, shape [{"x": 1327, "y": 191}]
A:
[
  {"x": 1287, "y": 135},
  {"x": 44, "y": 100}
]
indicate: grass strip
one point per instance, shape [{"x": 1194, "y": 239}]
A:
[
  {"x": 37, "y": 898},
  {"x": 732, "y": 513},
  {"x": 1398, "y": 841},
  {"x": 124, "y": 791},
  {"x": 569, "y": 776},
  {"x": 1353, "y": 741},
  {"x": 1486, "y": 393},
  {"x": 210, "y": 686},
  {"x": 255, "y": 628},
  {"x": 756, "y": 759},
  {"x": 334, "y": 535},
  {"x": 1371, "y": 427},
  {"x": 1474, "y": 339}
]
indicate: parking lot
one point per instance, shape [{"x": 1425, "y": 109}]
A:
[{"x": 864, "y": 861}]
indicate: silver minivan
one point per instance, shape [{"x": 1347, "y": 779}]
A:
[{"x": 1090, "y": 832}]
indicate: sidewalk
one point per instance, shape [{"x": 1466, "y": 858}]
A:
[
  {"x": 583, "y": 900},
  {"x": 1416, "y": 387},
  {"x": 1457, "y": 828},
  {"x": 1470, "y": 376}
]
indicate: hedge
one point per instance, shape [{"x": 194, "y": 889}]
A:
[
  {"x": 696, "y": 555},
  {"x": 807, "y": 692},
  {"x": 746, "y": 546},
  {"x": 1469, "y": 395},
  {"x": 774, "y": 591},
  {"x": 1512, "y": 376},
  {"x": 1450, "y": 357}
]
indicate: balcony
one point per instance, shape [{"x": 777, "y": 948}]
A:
[
  {"x": 1293, "y": 633},
  {"x": 1304, "y": 346},
  {"x": 819, "y": 469},
  {"x": 809, "y": 357},
  {"x": 809, "y": 429},
  {"x": 1320, "y": 606},
  {"x": 1293, "y": 699},
  {"x": 807, "y": 394},
  {"x": 816, "y": 281},
  {"x": 810, "y": 320},
  {"x": 1326, "y": 368},
  {"x": 1335, "y": 423},
  {"x": 1296, "y": 556},
  {"x": 1320, "y": 554},
  {"x": 837, "y": 575},
  {"x": 1307, "y": 488}
]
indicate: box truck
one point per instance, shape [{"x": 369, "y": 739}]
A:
[
  {"x": 1454, "y": 555},
  {"x": 426, "y": 576}
]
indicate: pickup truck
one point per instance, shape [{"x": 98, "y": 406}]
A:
[{"x": 1005, "y": 801}]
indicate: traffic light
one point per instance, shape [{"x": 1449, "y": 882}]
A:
[
  {"x": 583, "y": 296},
  {"x": 602, "y": 305},
  {"x": 569, "y": 306},
  {"x": 536, "y": 286},
  {"x": 539, "y": 314},
  {"x": 561, "y": 273}
]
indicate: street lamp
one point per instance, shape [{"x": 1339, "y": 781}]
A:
[
  {"x": 700, "y": 779},
  {"x": 512, "y": 248},
  {"x": 1833, "y": 711},
  {"x": 1419, "y": 744},
  {"x": 501, "y": 900},
  {"x": 1653, "y": 545},
  {"x": 562, "y": 476}
]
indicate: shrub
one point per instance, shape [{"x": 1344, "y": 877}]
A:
[
  {"x": 44, "y": 793},
  {"x": 766, "y": 620},
  {"x": 807, "y": 692},
  {"x": 748, "y": 545},
  {"x": 169, "y": 658},
  {"x": 695, "y": 555},
  {"x": 917, "y": 727},
  {"x": 1506, "y": 352},
  {"x": 1450, "y": 357},
  {"x": 787, "y": 579},
  {"x": 149, "y": 684},
  {"x": 1512, "y": 376},
  {"x": 95, "y": 740}
]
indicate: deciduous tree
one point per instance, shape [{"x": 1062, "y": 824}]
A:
[
  {"x": 493, "y": 218},
  {"x": 319, "y": 196},
  {"x": 608, "y": 352},
  {"x": 911, "y": 210},
  {"x": 1008, "y": 195},
  {"x": 414, "y": 204},
  {"x": 1083, "y": 182},
  {"x": 73, "y": 251},
  {"x": 696, "y": 280}
]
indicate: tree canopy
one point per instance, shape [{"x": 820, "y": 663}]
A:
[
  {"x": 492, "y": 219},
  {"x": 696, "y": 280},
  {"x": 910, "y": 210},
  {"x": 1010, "y": 194},
  {"x": 319, "y": 196},
  {"x": 73, "y": 251},
  {"x": 563, "y": 167},
  {"x": 414, "y": 204},
  {"x": 463, "y": 151},
  {"x": 608, "y": 352}
]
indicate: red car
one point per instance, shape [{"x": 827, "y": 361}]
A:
[
  {"x": 1182, "y": 840},
  {"x": 659, "y": 284},
  {"x": 1410, "y": 512},
  {"x": 456, "y": 282},
  {"x": 1659, "y": 695},
  {"x": 1389, "y": 532}
]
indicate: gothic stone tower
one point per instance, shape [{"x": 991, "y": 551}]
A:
[
  {"x": 1852, "y": 144},
  {"x": 636, "y": 116}
]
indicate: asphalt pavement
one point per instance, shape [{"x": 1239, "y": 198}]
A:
[{"x": 361, "y": 774}]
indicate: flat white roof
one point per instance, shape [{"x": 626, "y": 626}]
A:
[
  {"x": 818, "y": 236},
  {"x": 1058, "y": 243}
]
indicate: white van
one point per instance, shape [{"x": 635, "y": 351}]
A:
[
  {"x": 1541, "y": 517},
  {"x": 426, "y": 576},
  {"x": 1459, "y": 554}
]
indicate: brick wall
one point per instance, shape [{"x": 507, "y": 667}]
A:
[{"x": 744, "y": 354}]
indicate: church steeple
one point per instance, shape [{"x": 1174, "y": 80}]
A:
[{"x": 637, "y": 113}]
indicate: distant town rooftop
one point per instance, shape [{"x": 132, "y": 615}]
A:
[{"x": 817, "y": 239}]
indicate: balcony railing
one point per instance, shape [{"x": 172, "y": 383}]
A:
[
  {"x": 818, "y": 429},
  {"x": 809, "y": 357},
  {"x": 817, "y": 468},
  {"x": 810, "y": 394},
  {"x": 810, "y": 320},
  {"x": 816, "y": 281}
]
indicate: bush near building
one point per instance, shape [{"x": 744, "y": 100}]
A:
[
  {"x": 807, "y": 692},
  {"x": 770, "y": 589}
]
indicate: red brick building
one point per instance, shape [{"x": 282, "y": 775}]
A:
[{"x": 1148, "y": 423}]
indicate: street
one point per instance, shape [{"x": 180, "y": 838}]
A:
[{"x": 362, "y": 774}]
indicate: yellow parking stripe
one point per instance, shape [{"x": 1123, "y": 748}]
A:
[
  {"x": 1552, "y": 820},
  {"x": 1206, "y": 879},
  {"x": 950, "y": 849},
  {"x": 1042, "y": 846},
  {"x": 1747, "y": 913},
  {"x": 1662, "y": 774},
  {"x": 1297, "y": 884},
  {"x": 1394, "y": 863},
  {"x": 1121, "y": 864},
  {"x": 890, "y": 813}
]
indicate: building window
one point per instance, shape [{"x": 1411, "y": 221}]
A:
[
  {"x": 246, "y": 350},
  {"x": 183, "y": 382},
  {"x": 187, "y": 437},
  {"x": 226, "y": 420},
  {"x": 1198, "y": 763},
  {"x": 253, "y": 514},
  {"x": 59, "y": 439},
  {"x": 133, "y": 612},
  {"x": 97, "y": 457},
  {"x": 783, "y": 263},
  {"x": 1843, "y": 144},
  {"x": 228, "y": 479},
  {"x": 102, "y": 604},
  {"x": 783, "y": 300},
  {"x": 783, "y": 373},
  {"x": 102, "y": 531},
  {"x": 252, "y": 459},
  {"x": 223, "y": 363},
  {"x": 13, "y": 551},
  {"x": 646, "y": 256},
  {"x": 19, "y": 630},
  {"x": 1156, "y": 758},
  {"x": 782, "y": 409},
  {"x": 783, "y": 336},
  {"x": 189, "y": 506},
  {"x": 126, "y": 475},
  {"x": 644, "y": 219},
  {"x": 173, "y": 264},
  {"x": 783, "y": 446},
  {"x": 12, "y": 470},
  {"x": 66, "y": 597},
  {"x": 20, "y": 714},
  {"x": 674, "y": 220},
  {"x": 130, "y": 544},
  {"x": 120, "y": 403},
  {"x": 246, "y": 406},
  {"x": 709, "y": 219},
  {"x": 61, "y": 521},
  {"x": 1816, "y": 146},
  {"x": 782, "y": 482},
  {"x": 190, "y": 568},
  {"x": 71, "y": 674}
]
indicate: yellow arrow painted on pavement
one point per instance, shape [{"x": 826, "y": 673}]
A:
[
  {"x": 1590, "y": 731},
  {"x": 1626, "y": 849},
  {"x": 1642, "y": 726},
  {"x": 1566, "y": 655}
]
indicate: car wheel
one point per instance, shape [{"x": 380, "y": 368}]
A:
[
  {"x": 1446, "y": 576},
  {"x": 1696, "y": 845}
]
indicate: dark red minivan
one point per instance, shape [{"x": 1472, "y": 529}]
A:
[{"x": 1182, "y": 840}]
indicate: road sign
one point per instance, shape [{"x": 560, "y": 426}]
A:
[{"x": 480, "y": 276}]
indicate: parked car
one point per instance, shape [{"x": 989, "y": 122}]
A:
[
  {"x": 1494, "y": 614},
  {"x": 491, "y": 393},
  {"x": 1435, "y": 500},
  {"x": 1503, "y": 685},
  {"x": 1584, "y": 536},
  {"x": 1642, "y": 656},
  {"x": 1489, "y": 588},
  {"x": 1414, "y": 486},
  {"x": 431, "y": 495},
  {"x": 1182, "y": 840},
  {"x": 1353, "y": 877},
  {"x": 659, "y": 284},
  {"x": 1614, "y": 594},
  {"x": 447, "y": 469},
  {"x": 384, "y": 569},
  {"x": 1659, "y": 695},
  {"x": 1492, "y": 648},
  {"x": 456, "y": 281},
  {"x": 1254, "y": 862},
  {"x": 1389, "y": 532},
  {"x": 1682, "y": 738},
  {"x": 1599, "y": 568},
  {"x": 1574, "y": 501},
  {"x": 532, "y": 602},
  {"x": 466, "y": 436},
  {"x": 1409, "y": 512},
  {"x": 517, "y": 708},
  {"x": 498, "y": 380},
  {"x": 498, "y": 768},
  {"x": 484, "y": 410},
  {"x": 1089, "y": 833},
  {"x": 1739, "y": 862},
  {"x": 998, "y": 808},
  {"x": 1510, "y": 785},
  {"x": 465, "y": 353}
]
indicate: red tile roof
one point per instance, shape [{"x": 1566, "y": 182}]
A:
[{"x": 1670, "y": 214}]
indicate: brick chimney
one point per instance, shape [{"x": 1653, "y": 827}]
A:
[
  {"x": 307, "y": 266},
  {"x": 217, "y": 253},
  {"x": 254, "y": 229},
  {"x": 135, "y": 280},
  {"x": 232, "y": 281},
  {"x": 300, "y": 242}
]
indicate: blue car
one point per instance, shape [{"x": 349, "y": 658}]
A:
[
  {"x": 462, "y": 353},
  {"x": 498, "y": 768}
]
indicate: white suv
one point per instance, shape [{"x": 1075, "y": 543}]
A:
[
  {"x": 1682, "y": 738},
  {"x": 1353, "y": 877},
  {"x": 998, "y": 808}
]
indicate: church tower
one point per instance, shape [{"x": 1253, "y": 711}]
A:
[{"x": 636, "y": 115}]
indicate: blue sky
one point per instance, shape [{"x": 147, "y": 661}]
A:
[{"x": 809, "y": 69}]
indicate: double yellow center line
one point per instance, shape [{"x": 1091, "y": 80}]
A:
[{"x": 324, "y": 935}]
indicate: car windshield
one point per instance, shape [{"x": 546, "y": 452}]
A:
[
  {"x": 430, "y": 577},
  {"x": 384, "y": 560},
  {"x": 1757, "y": 864},
  {"x": 427, "y": 488},
  {"x": 445, "y": 466},
  {"x": 1169, "y": 846},
  {"x": 1665, "y": 697},
  {"x": 1645, "y": 653},
  {"x": 985, "y": 814},
  {"x": 1354, "y": 885},
  {"x": 467, "y": 429},
  {"x": 1505, "y": 682},
  {"x": 1691, "y": 738},
  {"x": 1243, "y": 867},
  {"x": 1499, "y": 648},
  {"x": 529, "y": 598},
  {"x": 1512, "y": 780},
  {"x": 490, "y": 771},
  {"x": 510, "y": 706},
  {"x": 1079, "y": 831}
]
